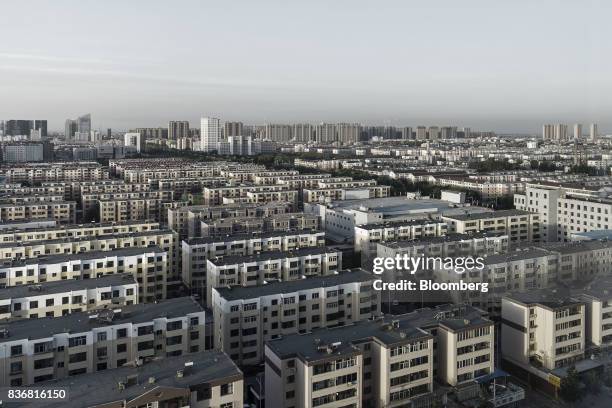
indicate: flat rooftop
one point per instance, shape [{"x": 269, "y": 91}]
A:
[
  {"x": 275, "y": 288},
  {"x": 55, "y": 259},
  {"x": 392, "y": 224},
  {"x": 271, "y": 255},
  {"x": 453, "y": 237},
  {"x": 102, "y": 387},
  {"x": 549, "y": 298},
  {"x": 307, "y": 346},
  {"x": 84, "y": 238},
  {"x": 62, "y": 286},
  {"x": 487, "y": 215},
  {"x": 242, "y": 236},
  {"x": 392, "y": 205},
  {"x": 527, "y": 253},
  {"x": 80, "y": 322}
]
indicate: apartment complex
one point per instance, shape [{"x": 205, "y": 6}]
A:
[
  {"x": 543, "y": 328},
  {"x": 195, "y": 252},
  {"x": 246, "y": 317},
  {"x": 147, "y": 265},
  {"x": 59, "y": 298},
  {"x": 264, "y": 267},
  {"x": 62, "y": 211},
  {"x": 36, "y": 350},
  {"x": 388, "y": 362},
  {"x": 519, "y": 225}
]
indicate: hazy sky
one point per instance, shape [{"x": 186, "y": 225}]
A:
[{"x": 501, "y": 65}]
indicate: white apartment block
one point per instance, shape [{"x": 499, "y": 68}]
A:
[
  {"x": 390, "y": 362},
  {"x": 186, "y": 220},
  {"x": 37, "y": 350},
  {"x": 519, "y": 225},
  {"x": 45, "y": 172},
  {"x": 277, "y": 222},
  {"x": 451, "y": 245},
  {"x": 62, "y": 211},
  {"x": 74, "y": 231},
  {"x": 315, "y": 195},
  {"x": 369, "y": 235},
  {"x": 264, "y": 267},
  {"x": 246, "y": 317},
  {"x": 597, "y": 297},
  {"x": 542, "y": 328},
  {"x": 59, "y": 298},
  {"x": 147, "y": 265},
  {"x": 215, "y": 195},
  {"x": 165, "y": 239},
  {"x": 196, "y": 251}
]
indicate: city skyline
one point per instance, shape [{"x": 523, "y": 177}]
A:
[{"x": 271, "y": 62}]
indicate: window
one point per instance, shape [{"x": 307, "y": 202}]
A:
[{"x": 227, "y": 389}]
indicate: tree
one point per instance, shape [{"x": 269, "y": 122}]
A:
[{"x": 570, "y": 386}]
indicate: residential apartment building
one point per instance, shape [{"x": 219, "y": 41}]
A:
[
  {"x": 369, "y": 235},
  {"x": 73, "y": 231},
  {"x": 542, "y": 328},
  {"x": 314, "y": 195},
  {"x": 186, "y": 220},
  {"x": 196, "y": 251},
  {"x": 265, "y": 267},
  {"x": 256, "y": 193},
  {"x": 389, "y": 362},
  {"x": 597, "y": 297},
  {"x": 49, "y": 348},
  {"x": 519, "y": 225},
  {"x": 278, "y": 222},
  {"x": 147, "y": 265},
  {"x": 165, "y": 239},
  {"x": 62, "y": 211},
  {"x": 246, "y": 317},
  {"x": 59, "y": 298},
  {"x": 200, "y": 380}
]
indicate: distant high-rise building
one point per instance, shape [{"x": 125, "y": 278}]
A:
[
  {"x": 433, "y": 133},
  {"x": 421, "y": 133},
  {"x": 178, "y": 129},
  {"x": 467, "y": 132},
  {"x": 593, "y": 132},
  {"x": 325, "y": 132},
  {"x": 407, "y": 133},
  {"x": 136, "y": 140},
  {"x": 70, "y": 129},
  {"x": 560, "y": 132},
  {"x": 109, "y": 133},
  {"x": 548, "y": 132},
  {"x": 23, "y": 127},
  {"x": 232, "y": 129},
  {"x": 347, "y": 133},
  {"x": 278, "y": 132},
  {"x": 577, "y": 131},
  {"x": 210, "y": 134},
  {"x": 448, "y": 132},
  {"x": 303, "y": 132},
  {"x": 152, "y": 133},
  {"x": 84, "y": 123}
]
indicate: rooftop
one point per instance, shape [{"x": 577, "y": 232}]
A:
[
  {"x": 80, "y": 322},
  {"x": 518, "y": 255},
  {"x": 453, "y": 237},
  {"x": 62, "y": 286},
  {"x": 242, "y": 236},
  {"x": 102, "y": 387},
  {"x": 490, "y": 214},
  {"x": 271, "y": 255},
  {"x": 276, "y": 288},
  {"x": 55, "y": 259},
  {"x": 549, "y": 298}
]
